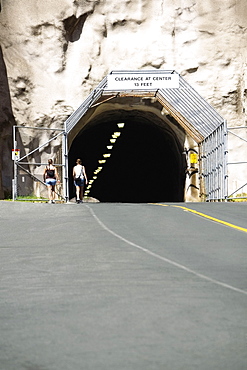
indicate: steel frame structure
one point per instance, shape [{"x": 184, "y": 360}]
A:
[
  {"x": 198, "y": 118},
  {"x": 213, "y": 164},
  {"x": 20, "y": 162},
  {"x": 231, "y": 130}
]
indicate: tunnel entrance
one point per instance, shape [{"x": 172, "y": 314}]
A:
[
  {"x": 146, "y": 162},
  {"x": 172, "y": 147}
]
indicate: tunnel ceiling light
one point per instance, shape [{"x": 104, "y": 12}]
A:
[
  {"x": 98, "y": 170},
  {"x": 113, "y": 139}
]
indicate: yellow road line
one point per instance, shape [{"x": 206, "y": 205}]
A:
[{"x": 206, "y": 216}]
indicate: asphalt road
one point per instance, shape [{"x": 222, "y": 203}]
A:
[{"x": 123, "y": 286}]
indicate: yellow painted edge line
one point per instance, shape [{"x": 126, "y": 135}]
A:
[{"x": 206, "y": 216}]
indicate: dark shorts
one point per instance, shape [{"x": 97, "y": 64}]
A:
[{"x": 79, "y": 182}]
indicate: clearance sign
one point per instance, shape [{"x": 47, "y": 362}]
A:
[{"x": 142, "y": 81}]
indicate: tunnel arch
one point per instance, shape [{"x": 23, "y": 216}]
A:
[
  {"x": 180, "y": 116},
  {"x": 147, "y": 162}
]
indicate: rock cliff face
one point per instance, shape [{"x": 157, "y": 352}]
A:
[
  {"x": 56, "y": 52},
  {"x": 6, "y": 123}
]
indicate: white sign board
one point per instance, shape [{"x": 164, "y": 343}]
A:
[
  {"x": 15, "y": 154},
  {"x": 142, "y": 81}
]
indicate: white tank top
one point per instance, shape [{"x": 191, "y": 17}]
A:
[{"x": 78, "y": 171}]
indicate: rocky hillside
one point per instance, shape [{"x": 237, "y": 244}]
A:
[{"x": 56, "y": 52}]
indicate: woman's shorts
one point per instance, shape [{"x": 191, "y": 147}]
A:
[
  {"x": 79, "y": 182},
  {"x": 51, "y": 182}
]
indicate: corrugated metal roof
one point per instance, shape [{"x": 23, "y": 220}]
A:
[
  {"x": 193, "y": 112},
  {"x": 79, "y": 112},
  {"x": 193, "y": 107}
]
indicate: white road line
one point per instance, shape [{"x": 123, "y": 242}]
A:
[{"x": 173, "y": 263}]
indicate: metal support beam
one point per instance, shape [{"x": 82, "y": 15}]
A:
[
  {"x": 65, "y": 167},
  {"x": 20, "y": 162}
]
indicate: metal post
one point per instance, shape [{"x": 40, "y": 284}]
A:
[
  {"x": 225, "y": 172},
  {"x": 65, "y": 167},
  {"x": 14, "y": 181}
]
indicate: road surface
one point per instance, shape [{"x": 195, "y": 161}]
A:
[{"x": 123, "y": 286}]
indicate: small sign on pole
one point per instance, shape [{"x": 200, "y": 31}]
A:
[
  {"x": 193, "y": 158},
  {"x": 15, "y": 154}
]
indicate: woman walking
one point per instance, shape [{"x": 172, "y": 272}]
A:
[
  {"x": 80, "y": 179},
  {"x": 50, "y": 178}
]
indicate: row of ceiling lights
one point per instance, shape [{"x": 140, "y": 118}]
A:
[{"x": 103, "y": 160}]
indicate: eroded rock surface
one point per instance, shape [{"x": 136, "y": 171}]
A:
[{"x": 57, "y": 52}]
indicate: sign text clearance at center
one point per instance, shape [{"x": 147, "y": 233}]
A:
[{"x": 142, "y": 81}]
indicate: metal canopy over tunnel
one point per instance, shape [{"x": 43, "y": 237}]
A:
[{"x": 198, "y": 119}]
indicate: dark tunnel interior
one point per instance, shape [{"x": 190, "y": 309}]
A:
[{"x": 146, "y": 162}]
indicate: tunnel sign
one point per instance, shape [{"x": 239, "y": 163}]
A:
[{"x": 142, "y": 81}]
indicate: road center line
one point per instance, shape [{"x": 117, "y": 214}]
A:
[
  {"x": 173, "y": 263},
  {"x": 205, "y": 216}
]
